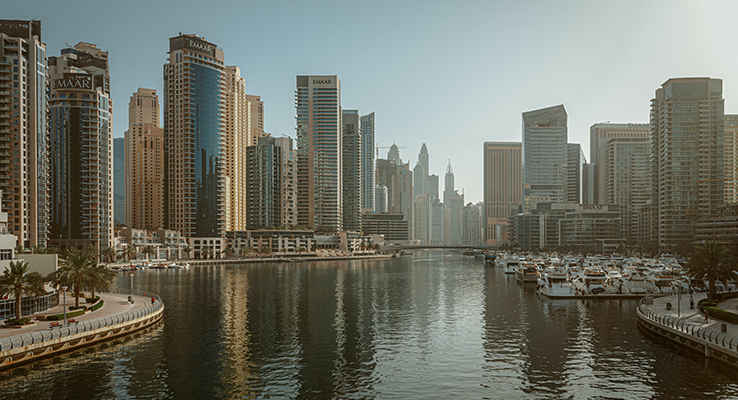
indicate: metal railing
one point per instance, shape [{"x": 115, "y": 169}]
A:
[
  {"x": 682, "y": 325},
  {"x": 84, "y": 326},
  {"x": 29, "y": 305}
]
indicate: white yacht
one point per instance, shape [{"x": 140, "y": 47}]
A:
[
  {"x": 591, "y": 281},
  {"x": 527, "y": 272},
  {"x": 511, "y": 264},
  {"x": 554, "y": 283}
]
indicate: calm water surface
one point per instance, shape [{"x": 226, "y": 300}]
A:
[{"x": 435, "y": 325}]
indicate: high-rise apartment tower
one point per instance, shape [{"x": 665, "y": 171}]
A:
[
  {"x": 319, "y": 152},
  {"x": 24, "y": 134},
  {"x": 687, "y": 155},
  {"x": 81, "y": 125},
  {"x": 194, "y": 129},
  {"x": 544, "y": 156}
]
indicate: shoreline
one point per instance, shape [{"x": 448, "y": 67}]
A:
[{"x": 286, "y": 260}]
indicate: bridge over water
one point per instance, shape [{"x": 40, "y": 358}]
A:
[{"x": 430, "y": 246}]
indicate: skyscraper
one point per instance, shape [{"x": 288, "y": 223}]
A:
[
  {"x": 81, "y": 125},
  {"x": 24, "y": 177},
  {"x": 380, "y": 199},
  {"x": 544, "y": 156},
  {"x": 256, "y": 113},
  {"x": 367, "y": 161},
  {"x": 731, "y": 158},
  {"x": 503, "y": 188},
  {"x": 574, "y": 164},
  {"x": 472, "y": 230},
  {"x": 687, "y": 155},
  {"x": 453, "y": 203},
  {"x": 144, "y": 154},
  {"x": 119, "y": 181},
  {"x": 237, "y": 139},
  {"x": 319, "y": 152},
  {"x": 352, "y": 157},
  {"x": 626, "y": 157},
  {"x": 270, "y": 190},
  {"x": 194, "y": 99},
  {"x": 599, "y": 134}
]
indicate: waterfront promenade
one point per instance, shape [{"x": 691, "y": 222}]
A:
[
  {"x": 117, "y": 317},
  {"x": 716, "y": 339},
  {"x": 114, "y": 304}
]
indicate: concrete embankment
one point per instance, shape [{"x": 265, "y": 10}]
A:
[
  {"x": 294, "y": 260},
  {"x": 671, "y": 319},
  {"x": 116, "y": 318}
]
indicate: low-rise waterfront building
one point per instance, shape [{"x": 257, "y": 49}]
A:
[
  {"x": 393, "y": 226},
  {"x": 166, "y": 243},
  {"x": 274, "y": 240}
]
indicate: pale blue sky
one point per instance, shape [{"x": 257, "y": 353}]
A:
[{"x": 452, "y": 74}]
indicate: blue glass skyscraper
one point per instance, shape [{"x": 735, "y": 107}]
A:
[{"x": 193, "y": 137}]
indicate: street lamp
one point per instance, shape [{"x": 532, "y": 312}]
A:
[
  {"x": 132, "y": 284},
  {"x": 64, "y": 288}
]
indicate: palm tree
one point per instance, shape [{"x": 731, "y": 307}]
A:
[
  {"x": 148, "y": 250},
  {"x": 228, "y": 251},
  {"x": 206, "y": 252},
  {"x": 74, "y": 272},
  {"x": 93, "y": 252},
  {"x": 111, "y": 254},
  {"x": 187, "y": 250},
  {"x": 99, "y": 277},
  {"x": 17, "y": 281},
  {"x": 130, "y": 252},
  {"x": 712, "y": 261}
]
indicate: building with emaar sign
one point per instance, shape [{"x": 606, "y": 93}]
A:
[
  {"x": 193, "y": 132},
  {"x": 81, "y": 135}
]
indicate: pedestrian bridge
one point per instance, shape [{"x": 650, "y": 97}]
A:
[{"x": 430, "y": 246}]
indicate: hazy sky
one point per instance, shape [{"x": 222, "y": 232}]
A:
[{"x": 452, "y": 74}]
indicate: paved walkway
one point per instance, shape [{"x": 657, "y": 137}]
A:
[
  {"x": 114, "y": 304},
  {"x": 695, "y": 316}
]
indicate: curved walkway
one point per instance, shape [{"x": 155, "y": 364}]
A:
[
  {"x": 114, "y": 304},
  {"x": 716, "y": 339}
]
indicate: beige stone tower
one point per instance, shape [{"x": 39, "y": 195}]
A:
[{"x": 144, "y": 143}]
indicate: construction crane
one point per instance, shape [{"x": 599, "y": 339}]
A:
[{"x": 386, "y": 147}]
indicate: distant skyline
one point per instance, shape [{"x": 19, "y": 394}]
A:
[{"x": 452, "y": 75}]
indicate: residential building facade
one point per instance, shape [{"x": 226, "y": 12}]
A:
[
  {"x": 544, "y": 156},
  {"x": 81, "y": 126},
  {"x": 319, "y": 152},
  {"x": 144, "y": 155},
  {"x": 687, "y": 156},
  {"x": 194, "y": 126},
  {"x": 503, "y": 188},
  {"x": 24, "y": 180}
]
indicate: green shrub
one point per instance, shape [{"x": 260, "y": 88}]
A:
[
  {"x": 72, "y": 308},
  {"x": 721, "y": 314},
  {"x": 59, "y": 317},
  {"x": 92, "y": 300},
  {"x": 17, "y": 321},
  {"x": 97, "y": 305}
]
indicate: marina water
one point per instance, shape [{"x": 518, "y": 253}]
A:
[{"x": 432, "y": 325}]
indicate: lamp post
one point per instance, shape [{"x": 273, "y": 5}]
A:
[
  {"x": 64, "y": 288},
  {"x": 132, "y": 284}
]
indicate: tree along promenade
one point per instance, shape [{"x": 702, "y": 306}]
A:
[
  {"x": 115, "y": 318},
  {"x": 674, "y": 320}
]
